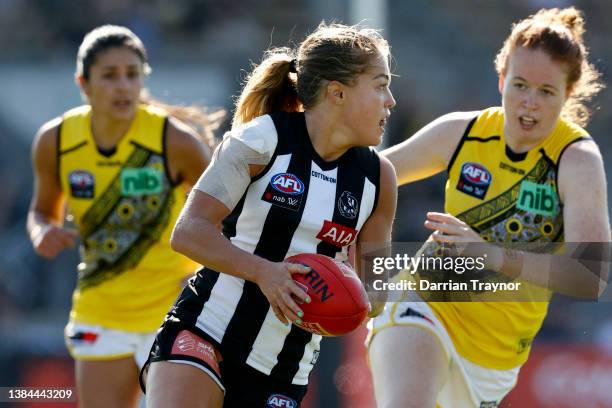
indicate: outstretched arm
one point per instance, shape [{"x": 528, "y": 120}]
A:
[{"x": 430, "y": 150}]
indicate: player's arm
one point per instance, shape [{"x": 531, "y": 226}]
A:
[
  {"x": 428, "y": 151},
  {"x": 46, "y": 213},
  {"x": 376, "y": 232},
  {"x": 583, "y": 191},
  {"x": 187, "y": 155},
  {"x": 197, "y": 234}
]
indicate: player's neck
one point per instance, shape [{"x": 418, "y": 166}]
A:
[
  {"x": 107, "y": 132},
  {"x": 324, "y": 134}
]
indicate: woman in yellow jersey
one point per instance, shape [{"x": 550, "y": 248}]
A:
[
  {"x": 516, "y": 173},
  {"x": 121, "y": 167}
]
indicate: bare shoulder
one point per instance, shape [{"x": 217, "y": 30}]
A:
[
  {"x": 46, "y": 138},
  {"x": 182, "y": 136},
  {"x": 582, "y": 156},
  {"x": 581, "y": 172},
  {"x": 583, "y": 150},
  {"x": 387, "y": 172},
  {"x": 187, "y": 155}
]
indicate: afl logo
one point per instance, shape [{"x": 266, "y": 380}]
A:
[
  {"x": 287, "y": 183},
  {"x": 476, "y": 174},
  {"x": 280, "y": 401}
]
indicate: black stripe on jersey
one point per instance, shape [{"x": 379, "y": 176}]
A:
[
  {"x": 288, "y": 360},
  {"x": 273, "y": 245},
  {"x": 164, "y": 155},
  {"x": 458, "y": 148},
  {"x": 514, "y": 156},
  {"x": 346, "y": 182},
  {"x": 482, "y": 139},
  {"x": 57, "y": 153},
  {"x": 73, "y": 148},
  {"x": 195, "y": 294}
]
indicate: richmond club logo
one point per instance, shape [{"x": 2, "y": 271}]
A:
[{"x": 287, "y": 183}]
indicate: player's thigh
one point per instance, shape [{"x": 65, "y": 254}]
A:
[
  {"x": 409, "y": 367},
  {"x": 111, "y": 383},
  {"x": 171, "y": 384}
]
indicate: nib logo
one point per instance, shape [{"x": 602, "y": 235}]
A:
[{"x": 537, "y": 198}]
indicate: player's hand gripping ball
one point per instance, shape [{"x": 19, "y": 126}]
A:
[{"x": 339, "y": 303}]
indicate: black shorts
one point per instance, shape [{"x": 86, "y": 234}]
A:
[{"x": 243, "y": 385}]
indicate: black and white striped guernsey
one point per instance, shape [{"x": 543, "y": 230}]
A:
[{"x": 298, "y": 204}]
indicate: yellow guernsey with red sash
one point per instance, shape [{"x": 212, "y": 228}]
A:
[
  {"x": 125, "y": 206},
  {"x": 505, "y": 197}
]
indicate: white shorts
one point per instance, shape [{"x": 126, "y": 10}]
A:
[
  {"x": 96, "y": 343},
  {"x": 468, "y": 384}
]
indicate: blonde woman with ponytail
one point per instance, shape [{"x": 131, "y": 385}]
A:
[
  {"x": 521, "y": 172},
  {"x": 297, "y": 163}
]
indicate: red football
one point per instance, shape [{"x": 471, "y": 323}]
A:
[{"x": 339, "y": 303}]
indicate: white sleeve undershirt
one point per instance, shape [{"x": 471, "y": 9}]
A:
[{"x": 227, "y": 177}]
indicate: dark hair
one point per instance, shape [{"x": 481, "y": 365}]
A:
[
  {"x": 203, "y": 120},
  {"x": 333, "y": 52},
  {"x": 558, "y": 32},
  {"x": 104, "y": 37}
]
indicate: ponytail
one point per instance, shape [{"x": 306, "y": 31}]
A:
[{"x": 270, "y": 87}]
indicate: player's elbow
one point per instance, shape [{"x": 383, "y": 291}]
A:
[{"x": 179, "y": 239}]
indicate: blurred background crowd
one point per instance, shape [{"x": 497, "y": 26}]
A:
[{"x": 199, "y": 51}]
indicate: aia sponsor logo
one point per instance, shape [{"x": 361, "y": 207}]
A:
[
  {"x": 81, "y": 184},
  {"x": 474, "y": 180},
  {"x": 337, "y": 234},
  {"x": 280, "y": 401},
  {"x": 287, "y": 183},
  {"x": 476, "y": 173}
]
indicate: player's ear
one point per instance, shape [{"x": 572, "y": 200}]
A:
[
  {"x": 82, "y": 83},
  {"x": 334, "y": 92}
]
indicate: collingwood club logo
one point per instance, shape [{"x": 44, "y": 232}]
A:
[{"x": 348, "y": 205}]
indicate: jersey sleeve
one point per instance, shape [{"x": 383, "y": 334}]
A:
[{"x": 227, "y": 177}]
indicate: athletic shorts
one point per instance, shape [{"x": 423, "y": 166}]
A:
[
  {"x": 242, "y": 385},
  {"x": 96, "y": 343},
  {"x": 468, "y": 384}
]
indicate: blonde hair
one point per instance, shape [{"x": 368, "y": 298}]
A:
[
  {"x": 291, "y": 80},
  {"x": 558, "y": 32}
]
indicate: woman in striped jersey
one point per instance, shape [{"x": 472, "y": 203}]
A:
[
  {"x": 121, "y": 166},
  {"x": 296, "y": 166},
  {"x": 516, "y": 173}
]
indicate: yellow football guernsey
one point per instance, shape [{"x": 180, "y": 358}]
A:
[
  {"x": 125, "y": 206},
  {"x": 506, "y": 197}
]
